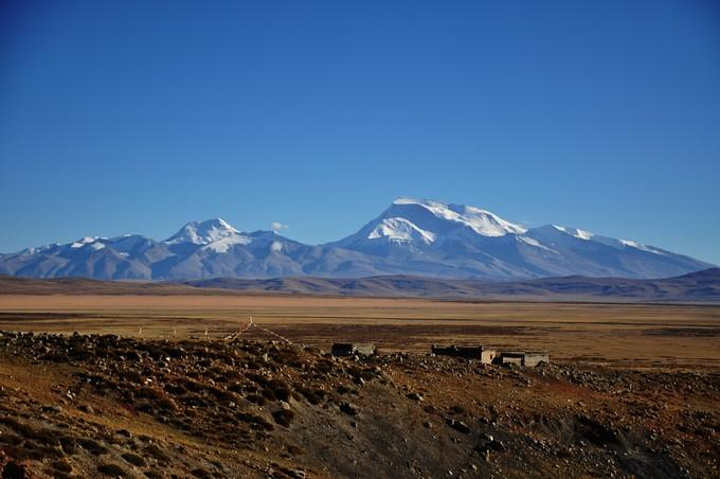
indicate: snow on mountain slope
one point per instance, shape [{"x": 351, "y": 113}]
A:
[
  {"x": 575, "y": 232},
  {"x": 400, "y": 230},
  {"x": 552, "y": 233},
  {"x": 480, "y": 221},
  {"x": 420, "y": 225},
  {"x": 532, "y": 242},
  {"x": 92, "y": 257},
  {"x": 92, "y": 242},
  {"x": 475, "y": 242},
  {"x": 216, "y": 235},
  {"x": 411, "y": 237},
  {"x": 595, "y": 255},
  {"x": 622, "y": 243}
]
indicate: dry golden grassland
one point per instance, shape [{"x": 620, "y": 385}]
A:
[{"x": 622, "y": 335}]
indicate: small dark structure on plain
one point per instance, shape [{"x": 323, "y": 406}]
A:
[
  {"x": 523, "y": 358},
  {"x": 350, "y": 349},
  {"x": 468, "y": 352}
]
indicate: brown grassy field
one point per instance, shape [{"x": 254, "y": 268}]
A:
[{"x": 619, "y": 335}]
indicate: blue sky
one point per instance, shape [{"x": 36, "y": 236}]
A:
[{"x": 139, "y": 116}]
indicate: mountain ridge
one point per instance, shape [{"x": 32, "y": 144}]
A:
[
  {"x": 699, "y": 288},
  {"x": 411, "y": 237}
]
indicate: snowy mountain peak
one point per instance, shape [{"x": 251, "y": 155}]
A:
[
  {"x": 89, "y": 240},
  {"x": 412, "y": 237},
  {"x": 415, "y": 224},
  {"x": 482, "y": 222},
  {"x": 577, "y": 233},
  {"x": 214, "y": 231}
]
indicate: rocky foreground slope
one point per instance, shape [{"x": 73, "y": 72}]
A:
[{"x": 104, "y": 406}]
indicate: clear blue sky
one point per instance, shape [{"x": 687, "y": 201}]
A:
[{"x": 137, "y": 116}]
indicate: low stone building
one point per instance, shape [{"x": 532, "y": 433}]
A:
[
  {"x": 510, "y": 357},
  {"x": 480, "y": 353},
  {"x": 350, "y": 349},
  {"x": 523, "y": 358},
  {"x": 532, "y": 359}
]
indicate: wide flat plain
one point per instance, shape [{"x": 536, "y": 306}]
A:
[{"x": 673, "y": 336}]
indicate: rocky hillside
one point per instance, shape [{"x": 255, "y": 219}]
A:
[{"x": 104, "y": 406}]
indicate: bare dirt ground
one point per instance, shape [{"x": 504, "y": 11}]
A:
[
  {"x": 621, "y": 335},
  {"x": 633, "y": 391}
]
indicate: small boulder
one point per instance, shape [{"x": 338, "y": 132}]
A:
[
  {"x": 349, "y": 409},
  {"x": 13, "y": 470},
  {"x": 458, "y": 425}
]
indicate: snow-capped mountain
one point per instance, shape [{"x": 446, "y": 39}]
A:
[
  {"x": 446, "y": 239},
  {"x": 421, "y": 224},
  {"x": 215, "y": 234},
  {"x": 412, "y": 236},
  {"x": 122, "y": 257}
]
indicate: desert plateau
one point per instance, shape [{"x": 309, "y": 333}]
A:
[{"x": 178, "y": 386}]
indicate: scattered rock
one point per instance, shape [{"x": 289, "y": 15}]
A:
[
  {"x": 349, "y": 409},
  {"x": 13, "y": 470},
  {"x": 415, "y": 396},
  {"x": 283, "y": 417},
  {"x": 458, "y": 425},
  {"x": 134, "y": 459},
  {"x": 112, "y": 470}
]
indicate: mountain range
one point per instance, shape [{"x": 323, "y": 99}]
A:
[
  {"x": 411, "y": 237},
  {"x": 702, "y": 287},
  {"x": 699, "y": 287}
]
